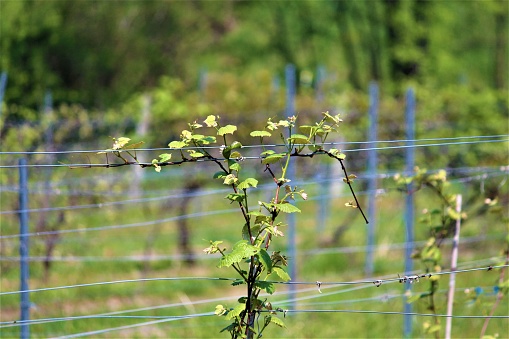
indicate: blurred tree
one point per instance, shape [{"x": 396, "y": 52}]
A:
[{"x": 100, "y": 53}]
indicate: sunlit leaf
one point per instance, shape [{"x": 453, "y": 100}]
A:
[
  {"x": 277, "y": 321},
  {"x": 228, "y": 129},
  {"x": 287, "y": 208},
  {"x": 135, "y": 145},
  {"x": 120, "y": 142},
  {"x": 273, "y": 158},
  {"x": 177, "y": 144},
  {"x": 281, "y": 273},
  {"x": 299, "y": 139},
  {"x": 260, "y": 134},
  {"x": 235, "y": 312},
  {"x": 230, "y": 179},
  {"x": 247, "y": 183},
  {"x": 164, "y": 157},
  {"x": 211, "y": 121}
]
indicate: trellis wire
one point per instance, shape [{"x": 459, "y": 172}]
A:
[
  {"x": 263, "y": 145},
  {"x": 486, "y": 174},
  {"x": 150, "y": 164},
  {"x": 376, "y": 282},
  {"x": 182, "y": 257}
]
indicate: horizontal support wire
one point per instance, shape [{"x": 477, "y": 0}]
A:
[
  {"x": 138, "y": 224},
  {"x": 281, "y": 302},
  {"x": 393, "y": 313},
  {"x": 41, "y": 187},
  {"x": 261, "y": 145},
  {"x": 182, "y": 257},
  {"x": 383, "y": 298},
  {"x": 86, "y": 334},
  {"x": 118, "y": 282},
  {"x": 376, "y": 282},
  {"x": 154, "y": 222},
  {"x": 195, "y": 160},
  {"x": 486, "y": 174}
]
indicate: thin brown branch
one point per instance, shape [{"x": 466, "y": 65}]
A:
[{"x": 500, "y": 295}]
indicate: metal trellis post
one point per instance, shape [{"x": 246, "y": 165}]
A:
[
  {"x": 3, "y": 85},
  {"x": 24, "y": 248},
  {"x": 290, "y": 111},
  {"x": 372, "y": 175},
  {"x": 325, "y": 168},
  {"x": 409, "y": 210}
]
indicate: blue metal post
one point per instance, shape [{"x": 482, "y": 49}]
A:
[
  {"x": 320, "y": 78},
  {"x": 3, "y": 85},
  {"x": 324, "y": 173},
  {"x": 48, "y": 108},
  {"x": 324, "y": 197},
  {"x": 290, "y": 173},
  {"x": 24, "y": 248},
  {"x": 409, "y": 210},
  {"x": 372, "y": 178},
  {"x": 202, "y": 83}
]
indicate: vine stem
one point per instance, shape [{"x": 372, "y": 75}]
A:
[
  {"x": 322, "y": 151},
  {"x": 349, "y": 185},
  {"x": 500, "y": 295}
]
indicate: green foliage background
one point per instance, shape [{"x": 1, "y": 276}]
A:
[{"x": 101, "y": 60}]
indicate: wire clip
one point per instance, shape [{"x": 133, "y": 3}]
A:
[{"x": 319, "y": 284}]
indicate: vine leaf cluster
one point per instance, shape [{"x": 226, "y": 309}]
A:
[
  {"x": 250, "y": 257},
  {"x": 441, "y": 223}
]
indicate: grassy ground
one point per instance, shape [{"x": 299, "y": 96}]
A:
[{"x": 175, "y": 298}]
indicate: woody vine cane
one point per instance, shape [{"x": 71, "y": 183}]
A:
[{"x": 250, "y": 257}]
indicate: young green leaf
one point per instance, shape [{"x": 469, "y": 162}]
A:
[
  {"x": 267, "y": 152},
  {"x": 230, "y": 179},
  {"x": 239, "y": 197},
  {"x": 306, "y": 129},
  {"x": 164, "y": 157},
  {"x": 234, "y": 166},
  {"x": 236, "y": 144},
  {"x": 273, "y": 158},
  {"x": 213, "y": 248},
  {"x": 177, "y": 144},
  {"x": 254, "y": 232},
  {"x": 277, "y": 321},
  {"x": 299, "y": 139},
  {"x": 186, "y": 135},
  {"x": 235, "y": 312},
  {"x": 242, "y": 249},
  {"x": 228, "y": 129},
  {"x": 133, "y": 146},
  {"x": 265, "y": 285},
  {"x": 120, "y": 142},
  {"x": 157, "y": 167},
  {"x": 265, "y": 259},
  {"x": 195, "y": 154},
  {"x": 281, "y": 273},
  {"x": 220, "y": 310},
  {"x": 260, "y": 134},
  {"x": 351, "y": 204},
  {"x": 219, "y": 175},
  {"x": 235, "y": 155},
  {"x": 287, "y": 208},
  {"x": 248, "y": 182},
  {"x": 332, "y": 119},
  {"x": 211, "y": 121}
]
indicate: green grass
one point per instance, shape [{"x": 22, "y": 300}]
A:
[{"x": 311, "y": 267}]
